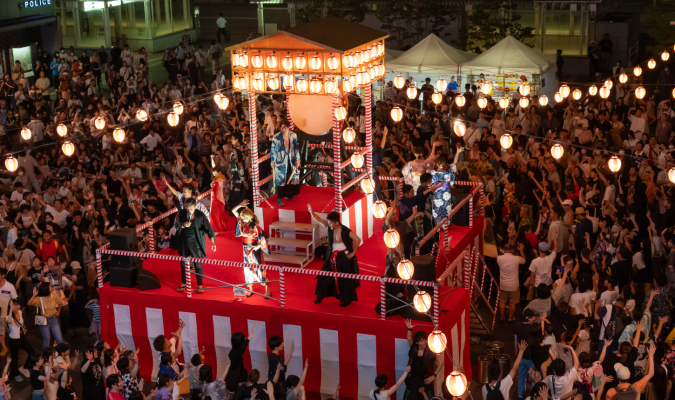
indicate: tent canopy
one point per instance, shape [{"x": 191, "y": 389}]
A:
[
  {"x": 391, "y": 55},
  {"x": 510, "y": 56},
  {"x": 432, "y": 56}
]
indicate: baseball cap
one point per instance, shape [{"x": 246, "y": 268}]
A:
[
  {"x": 622, "y": 372},
  {"x": 75, "y": 265},
  {"x": 580, "y": 210},
  {"x": 543, "y": 246},
  {"x": 567, "y": 202}
]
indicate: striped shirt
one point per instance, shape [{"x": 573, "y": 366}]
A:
[{"x": 96, "y": 310}]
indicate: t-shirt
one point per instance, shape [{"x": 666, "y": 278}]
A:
[
  {"x": 92, "y": 380},
  {"x": 44, "y": 82},
  {"x": 35, "y": 381},
  {"x": 504, "y": 387},
  {"x": 542, "y": 269},
  {"x": 274, "y": 360},
  {"x": 508, "y": 271},
  {"x": 96, "y": 311},
  {"x": 575, "y": 301},
  {"x": 561, "y": 385},
  {"x": 59, "y": 216},
  {"x": 7, "y": 292}
]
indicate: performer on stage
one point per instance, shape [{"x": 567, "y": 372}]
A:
[
  {"x": 237, "y": 175},
  {"x": 193, "y": 225},
  {"x": 217, "y": 214},
  {"x": 414, "y": 169},
  {"x": 442, "y": 199},
  {"x": 285, "y": 164},
  {"x": 254, "y": 241},
  {"x": 340, "y": 257},
  {"x": 187, "y": 192}
]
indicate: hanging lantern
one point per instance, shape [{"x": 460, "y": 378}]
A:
[
  {"x": 99, "y": 122},
  {"x": 524, "y": 89},
  {"x": 11, "y": 163},
  {"x": 460, "y": 128},
  {"x": 614, "y": 164},
  {"x": 437, "y": 97},
  {"x": 391, "y": 238},
  {"x": 411, "y": 92},
  {"x": 456, "y": 383},
  {"x": 287, "y": 63},
  {"x": 482, "y": 102},
  {"x": 374, "y": 51},
  {"x": 347, "y": 85},
  {"x": 609, "y": 84},
  {"x": 593, "y": 90},
  {"x": 178, "y": 107},
  {"x": 665, "y": 55},
  {"x": 141, "y": 115},
  {"x": 172, "y": 118},
  {"x": 243, "y": 60},
  {"x": 315, "y": 86},
  {"x": 673, "y": 92},
  {"x": 623, "y": 78},
  {"x": 368, "y": 185},
  {"x": 405, "y": 269},
  {"x": 333, "y": 63},
  {"x": 460, "y": 100},
  {"x": 257, "y": 61},
  {"x": 651, "y": 64},
  {"x": 68, "y": 148},
  {"x": 360, "y": 78},
  {"x": 367, "y": 55},
  {"x": 506, "y": 140},
  {"x": 352, "y": 80},
  {"x": 576, "y": 94},
  {"x": 216, "y": 99},
  {"x": 224, "y": 101},
  {"x": 437, "y": 341},
  {"x": 379, "y": 209},
  {"x": 235, "y": 60},
  {"x": 604, "y": 92},
  {"x": 62, "y": 130},
  {"x": 557, "y": 151},
  {"x": 524, "y": 102},
  {"x": 637, "y": 71},
  {"x": 330, "y": 86},
  {"x": 640, "y": 92},
  {"x": 396, "y": 114},
  {"x": 543, "y": 100},
  {"x": 565, "y": 90},
  {"x": 272, "y": 61},
  {"x": 301, "y": 85},
  {"x": 486, "y": 87},
  {"x": 118, "y": 134},
  {"x": 300, "y": 62},
  {"x": 503, "y": 102},
  {"x": 558, "y": 97},
  {"x": 340, "y": 113},
  {"x": 357, "y": 160},
  {"x": 360, "y": 59},
  {"x": 422, "y": 301},
  {"x": 26, "y": 133},
  {"x": 273, "y": 83},
  {"x": 315, "y": 63},
  {"x": 288, "y": 82},
  {"x": 671, "y": 174},
  {"x": 348, "y": 61},
  {"x": 243, "y": 83},
  {"x": 399, "y": 81},
  {"x": 235, "y": 83},
  {"x": 441, "y": 84},
  {"x": 349, "y": 135},
  {"x": 372, "y": 73},
  {"x": 258, "y": 85}
]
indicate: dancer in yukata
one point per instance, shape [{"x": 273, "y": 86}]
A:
[
  {"x": 414, "y": 169},
  {"x": 254, "y": 241},
  {"x": 442, "y": 202},
  {"x": 285, "y": 164}
]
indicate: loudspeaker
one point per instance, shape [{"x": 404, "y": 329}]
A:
[
  {"x": 124, "y": 276},
  {"x": 461, "y": 217},
  {"x": 425, "y": 268},
  {"x": 125, "y": 239},
  {"x": 147, "y": 280}
]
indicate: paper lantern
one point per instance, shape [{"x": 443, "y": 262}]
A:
[
  {"x": 673, "y": 92},
  {"x": 651, "y": 64},
  {"x": 437, "y": 97},
  {"x": 242, "y": 83},
  {"x": 391, "y": 238},
  {"x": 349, "y": 135},
  {"x": 557, "y": 151},
  {"x": 614, "y": 164},
  {"x": 360, "y": 78},
  {"x": 300, "y": 62},
  {"x": 68, "y": 148},
  {"x": 437, "y": 341},
  {"x": 503, "y": 102},
  {"x": 379, "y": 209},
  {"x": 372, "y": 72},
  {"x": 235, "y": 83},
  {"x": 399, "y": 81},
  {"x": 224, "y": 102},
  {"x": 118, "y": 134},
  {"x": 178, "y": 107},
  {"x": 288, "y": 82},
  {"x": 242, "y": 60},
  {"x": 172, "y": 118},
  {"x": 396, "y": 114},
  {"x": 257, "y": 61},
  {"x": 348, "y": 61},
  {"x": 257, "y": 84},
  {"x": 524, "y": 102},
  {"x": 347, "y": 85},
  {"x": 460, "y": 100},
  {"x": 340, "y": 113},
  {"x": 358, "y": 56},
  {"x": 564, "y": 90},
  {"x": 609, "y": 84},
  {"x": 273, "y": 83},
  {"x": 482, "y": 102},
  {"x": 543, "y": 100},
  {"x": 272, "y": 61},
  {"x": 411, "y": 92},
  {"x": 593, "y": 90},
  {"x": 422, "y": 301},
  {"x": 330, "y": 86},
  {"x": 506, "y": 140},
  {"x": 315, "y": 86},
  {"x": 460, "y": 129},
  {"x": 368, "y": 185},
  {"x": 640, "y": 92},
  {"x": 11, "y": 163},
  {"x": 637, "y": 71},
  {"x": 665, "y": 55},
  {"x": 671, "y": 175},
  {"x": 315, "y": 63},
  {"x": 99, "y": 122},
  {"x": 405, "y": 269},
  {"x": 367, "y": 55},
  {"x": 352, "y": 80},
  {"x": 623, "y": 78},
  {"x": 524, "y": 89},
  {"x": 62, "y": 130},
  {"x": 141, "y": 115},
  {"x": 287, "y": 63},
  {"x": 486, "y": 87},
  {"x": 576, "y": 94},
  {"x": 441, "y": 84},
  {"x": 301, "y": 85},
  {"x": 456, "y": 383},
  {"x": 357, "y": 160},
  {"x": 26, "y": 133},
  {"x": 235, "y": 60},
  {"x": 333, "y": 63},
  {"x": 558, "y": 97},
  {"x": 604, "y": 92}
]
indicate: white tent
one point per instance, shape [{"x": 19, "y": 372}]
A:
[
  {"x": 430, "y": 56},
  {"x": 510, "y": 56},
  {"x": 390, "y": 55}
]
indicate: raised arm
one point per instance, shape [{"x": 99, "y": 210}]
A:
[
  {"x": 393, "y": 389},
  {"x": 316, "y": 217}
]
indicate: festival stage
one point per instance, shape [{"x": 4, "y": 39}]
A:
[{"x": 349, "y": 346}]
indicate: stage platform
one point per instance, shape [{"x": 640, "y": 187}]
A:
[{"x": 349, "y": 346}]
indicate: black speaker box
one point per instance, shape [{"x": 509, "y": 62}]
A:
[
  {"x": 425, "y": 268},
  {"x": 125, "y": 239},
  {"x": 125, "y": 276},
  {"x": 147, "y": 280},
  {"x": 461, "y": 217}
]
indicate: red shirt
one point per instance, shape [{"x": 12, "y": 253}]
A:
[
  {"x": 532, "y": 238},
  {"x": 51, "y": 249}
]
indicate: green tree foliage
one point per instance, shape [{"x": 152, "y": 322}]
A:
[
  {"x": 656, "y": 22},
  {"x": 351, "y": 10},
  {"x": 410, "y": 21},
  {"x": 491, "y": 21}
]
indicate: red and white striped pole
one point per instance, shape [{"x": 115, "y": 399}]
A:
[
  {"x": 151, "y": 238},
  {"x": 188, "y": 278},
  {"x": 436, "y": 305},
  {"x": 254, "y": 147},
  {"x": 99, "y": 269},
  {"x": 291, "y": 125},
  {"x": 282, "y": 287},
  {"x": 446, "y": 237},
  {"x": 466, "y": 270},
  {"x": 470, "y": 274},
  {"x": 369, "y": 127},
  {"x": 400, "y": 188},
  {"x": 324, "y": 179},
  {"x": 337, "y": 172},
  {"x": 383, "y": 301},
  {"x": 481, "y": 202},
  {"x": 471, "y": 210}
]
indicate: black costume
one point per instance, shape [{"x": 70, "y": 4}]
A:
[
  {"x": 192, "y": 240},
  {"x": 343, "y": 289}
]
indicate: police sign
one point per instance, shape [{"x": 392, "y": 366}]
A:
[{"x": 36, "y": 3}]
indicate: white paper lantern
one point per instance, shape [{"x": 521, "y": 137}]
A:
[{"x": 62, "y": 130}]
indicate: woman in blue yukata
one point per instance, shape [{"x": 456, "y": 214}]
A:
[
  {"x": 285, "y": 164},
  {"x": 442, "y": 203},
  {"x": 254, "y": 242}
]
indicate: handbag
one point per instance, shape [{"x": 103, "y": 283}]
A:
[{"x": 41, "y": 320}]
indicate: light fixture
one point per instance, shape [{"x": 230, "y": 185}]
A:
[
  {"x": 651, "y": 64},
  {"x": 235, "y": 83},
  {"x": 405, "y": 269},
  {"x": 524, "y": 102},
  {"x": 172, "y": 118},
  {"x": 637, "y": 71},
  {"x": 243, "y": 60},
  {"x": 524, "y": 89},
  {"x": 242, "y": 83},
  {"x": 272, "y": 61},
  {"x": 558, "y": 97},
  {"x": 422, "y": 301},
  {"x": 288, "y": 82},
  {"x": 614, "y": 164},
  {"x": 459, "y": 128},
  {"x": 301, "y": 85},
  {"x": 506, "y": 140},
  {"x": 224, "y": 102},
  {"x": 366, "y": 55},
  {"x": 665, "y": 55},
  {"x": 257, "y": 61},
  {"x": 11, "y": 163},
  {"x": 68, "y": 148},
  {"x": 26, "y": 133},
  {"x": 372, "y": 72},
  {"x": 357, "y": 160},
  {"x": 333, "y": 63},
  {"x": 456, "y": 383},
  {"x": 604, "y": 92},
  {"x": 360, "y": 78},
  {"x": 141, "y": 115},
  {"x": 396, "y": 114},
  {"x": 235, "y": 60},
  {"x": 62, "y": 130},
  {"x": 348, "y": 61},
  {"x": 315, "y": 86},
  {"x": 437, "y": 97},
  {"x": 340, "y": 113},
  {"x": 437, "y": 341},
  {"x": 391, "y": 238},
  {"x": 576, "y": 94},
  {"x": 287, "y": 63},
  {"x": 379, "y": 209},
  {"x": 99, "y": 122},
  {"x": 460, "y": 100},
  {"x": 671, "y": 175},
  {"x": 543, "y": 100},
  {"x": 178, "y": 107},
  {"x": 119, "y": 134},
  {"x": 399, "y": 81},
  {"x": 347, "y": 85},
  {"x": 411, "y": 92},
  {"x": 315, "y": 63},
  {"x": 564, "y": 90},
  {"x": 330, "y": 86},
  {"x": 609, "y": 84},
  {"x": 482, "y": 102},
  {"x": 257, "y": 84},
  {"x": 640, "y": 92},
  {"x": 273, "y": 82},
  {"x": 503, "y": 102},
  {"x": 441, "y": 84},
  {"x": 486, "y": 87},
  {"x": 623, "y": 78},
  {"x": 352, "y": 80},
  {"x": 359, "y": 57},
  {"x": 673, "y": 92},
  {"x": 300, "y": 62},
  {"x": 593, "y": 90},
  {"x": 349, "y": 134},
  {"x": 557, "y": 151},
  {"x": 368, "y": 185}
]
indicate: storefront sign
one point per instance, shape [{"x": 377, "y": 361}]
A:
[
  {"x": 99, "y": 5},
  {"x": 36, "y": 3}
]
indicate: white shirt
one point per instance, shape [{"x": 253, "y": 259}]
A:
[
  {"x": 129, "y": 173},
  {"x": 16, "y": 196},
  {"x": 151, "y": 141},
  {"x": 7, "y": 292},
  {"x": 221, "y": 22},
  {"x": 59, "y": 217},
  {"x": 560, "y": 386},
  {"x": 637, "y": 125},
  {"x": 508, "y": 271},
  {"x": 575, "y": 301},
  {"x": 504, "y": 387},
  {"x": 608, "y": 296},
  {"x": 542, "y": 269},
  {"x": 14, "y": 329}
]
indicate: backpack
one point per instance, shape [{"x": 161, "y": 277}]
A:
[
  {"x": 494, "y": 393},
  {"x": 615, "y": 326},
  {"x": 629, "y": 393}
]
